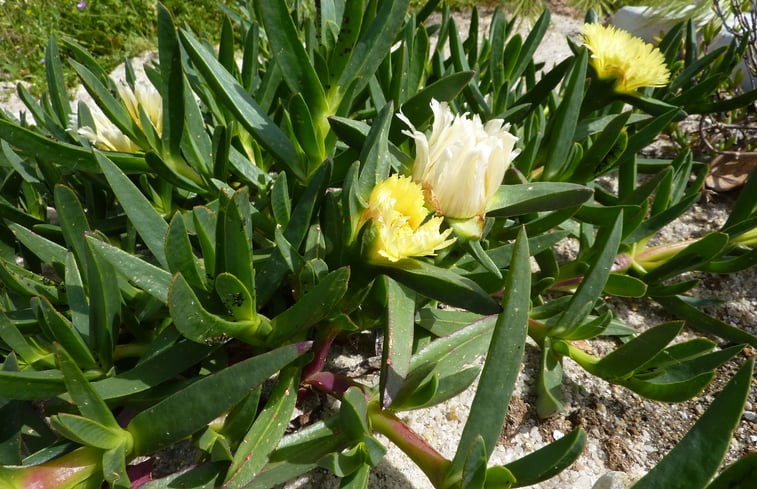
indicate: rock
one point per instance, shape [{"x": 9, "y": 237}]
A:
[{"x": 614, "y": 480}]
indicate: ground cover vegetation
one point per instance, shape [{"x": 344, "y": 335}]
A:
[{"x": 178, "y": 258}]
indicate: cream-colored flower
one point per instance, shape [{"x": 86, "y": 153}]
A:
[
  {"x": 616, "y": 54},
  {"x": 146, "y": 96},
  {"x": 106, "y": 135},
  {"x": 461, "y": 165},
  {"x": 400, "y": 227}
]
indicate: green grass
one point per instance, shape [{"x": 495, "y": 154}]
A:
[{"x": 111, "y": 30}]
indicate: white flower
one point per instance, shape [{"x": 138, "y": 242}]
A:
[
  {"x": 146, "y": 96},
  {"x": 462, "y": 164},
  {"x": 106, "y": 135}
]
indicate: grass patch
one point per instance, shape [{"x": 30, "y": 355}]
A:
[{"x": 112, "y": 30}]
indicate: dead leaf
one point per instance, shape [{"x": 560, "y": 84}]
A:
[{"x": 729, "y": 171}]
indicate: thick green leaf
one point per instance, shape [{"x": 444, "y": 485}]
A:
[
  {"x": 172, "y": 78},
  {"x": 503, "y": 360},
  {"x": 243, "y": 106},
  {"x": 104, "y": 306},
  {"x": 180, "y": 255},
  {"x": 444, "y": 322},
  {"x": 633, "y": 355},
  {"x": 61, "y": 330},
  {"x": 700, "y": 321},
  {"x": 77, "y": 299},
  {"x": 398, "y": 339},
  {"x": 234, "y": 238},
  {"x": 57, "y": 90},
  {"x": 265, "y": 433},
  {"x": 15, "y": 339},
  {"x": 519, "y": 199},
  {"x": 624, "y": 286},
  {"x": 205, "y": 476},
  {"x": 442, "y": 284},
  {"x": 31, "y": 385},
  {"x": 193, "y": 407},
  {"x": 73, "y": 222},
  {"x": 71, "y": 157},
  {"x": 198, "y": 324},
  {"x": 300, "y": 452},
  {"x": 375, "y": 154},
  {"x": 693, "y": 462},
  {"x": 290, "y": 55},
  {"x": 549, "y": 460},
  {"x": 86, "y": 431},
  {"x": 151, "y": 372},
  {"x": 474, "y": 467},
  {"x": 606, "y": 244},
  {"x": 741, "y": 473},
  {"x": 353, "y": 413},
  {"x": 149, "y": 224},
  {"x": 375, "y": 41},
  {"x": 532, "y": 42},
  {"x": 564, "y": 122},
  {"x": 549, "y": 383},
  {"x": 315, "y": 306},
  {"x": 43, "y": 248},
  {"x": 90, "y": 404},
  {"x": 235, "y": 297},
  {"x": 153, "y": 280},
  {"x": 689, "y": 258},
  {"x": 114, "y": 466}
]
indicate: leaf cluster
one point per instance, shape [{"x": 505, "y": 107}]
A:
[{"x": 193, "y": 288}]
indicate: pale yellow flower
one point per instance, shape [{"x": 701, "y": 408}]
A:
[
  {"x": 616, "y": 54},
  {"x": 108, "y": 136},
  {"x": 400, "y": 225},
  {"x": 462, "y": 164},
  {"x": 146, "y": 96}
]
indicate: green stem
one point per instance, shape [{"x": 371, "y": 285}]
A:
[
  {"x": 431, "y": 462},
  {"x": 579, "y": 356}
]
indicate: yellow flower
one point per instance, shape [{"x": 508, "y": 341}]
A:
[
  {"x": 106, "y": 135},
  {"x": 461, "y": 165},
  {"x": 626, "y": 58},
  {"x": 400, "y": 227}
]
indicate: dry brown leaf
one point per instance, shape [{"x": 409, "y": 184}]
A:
[{"x": 729, "y": 171}]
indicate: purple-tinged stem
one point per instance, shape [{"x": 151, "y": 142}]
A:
[
  {"x": 321, "y": 351},
  {"x": 431, "y": 462},
  {"x": 332, "y": 383},
  {"x": 66, "y": 471}
]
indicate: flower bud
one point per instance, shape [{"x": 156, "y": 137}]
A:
[{"x": 462, "y": 164}]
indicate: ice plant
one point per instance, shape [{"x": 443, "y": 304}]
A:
[
  {"x": 106, "y": 135},
  {"x": 143, "y": 96},
  {"x": 616, "y": 54},
  {"x": 70, "y": 470},
  {"x": 400, "y": 228},
  {"x": 461, "y": 165}
]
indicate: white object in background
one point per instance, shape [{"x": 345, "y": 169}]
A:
[{"x": 642, "y": 22}]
